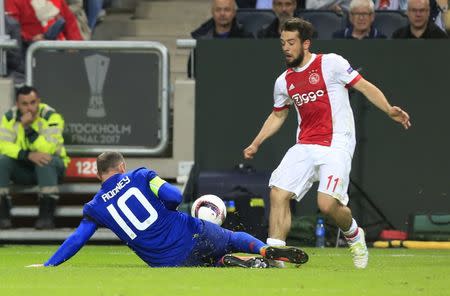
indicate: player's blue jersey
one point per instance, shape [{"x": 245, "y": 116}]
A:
[{"x": 127, "y": 205}]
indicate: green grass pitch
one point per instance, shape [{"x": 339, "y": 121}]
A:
[{"x": 115, "y": 270}]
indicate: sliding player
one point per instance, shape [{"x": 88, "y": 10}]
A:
[{"x": 140, "y": 208}]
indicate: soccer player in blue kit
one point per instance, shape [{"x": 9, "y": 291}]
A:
[{"x": 140, "y": 208}]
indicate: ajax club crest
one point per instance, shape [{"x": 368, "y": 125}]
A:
[{"x": 314, "y": 78}]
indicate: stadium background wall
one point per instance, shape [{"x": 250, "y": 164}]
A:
[{"x": 402, "y": 171}]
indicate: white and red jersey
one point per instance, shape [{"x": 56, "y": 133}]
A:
[{"x": 319, "y": 93}]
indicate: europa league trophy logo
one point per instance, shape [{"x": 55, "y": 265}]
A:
[{"x": 96, "y": 68}]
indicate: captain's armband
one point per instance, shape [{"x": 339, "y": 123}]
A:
[{"x": 155, "y": 184}]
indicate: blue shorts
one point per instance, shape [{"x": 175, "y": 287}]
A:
[{"x": 210, "y": 245}]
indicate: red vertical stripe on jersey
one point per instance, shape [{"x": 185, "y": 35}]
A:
[{"x": 310, "y": 96}]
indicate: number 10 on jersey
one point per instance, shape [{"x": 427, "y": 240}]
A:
[{"x": 121, "y": 204}]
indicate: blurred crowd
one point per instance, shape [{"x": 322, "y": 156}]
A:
[
  {"x": 418, "y": 19},
  {"x": 426, "y": 18},
  {"x": 28, "y": 21}
]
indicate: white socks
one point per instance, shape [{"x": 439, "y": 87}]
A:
[
  {"x": 274, "y": 242},
  {"x": 352, "y": 232}
]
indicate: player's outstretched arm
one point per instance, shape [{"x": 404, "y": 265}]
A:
[
  {"x": 376, "y": 96},
  {"x": 272, "y": 124},
  {"x": 73, "y": 243}
]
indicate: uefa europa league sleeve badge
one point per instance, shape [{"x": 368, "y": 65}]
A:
[{"x": 96, "y": 69}]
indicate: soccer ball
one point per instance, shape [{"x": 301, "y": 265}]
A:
[{"x": 209, "y": 208}]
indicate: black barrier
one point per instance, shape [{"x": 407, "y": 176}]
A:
[
  {"x": 402, "y": 171},
  {"x": 101, "y": 102},
  {"x": 110, "y": 98}
]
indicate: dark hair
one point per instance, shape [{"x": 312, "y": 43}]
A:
[
  {"x": 304, "y": 28},
  {"x": 108, "y": 160},
  {"x": 25, "y": 90}
]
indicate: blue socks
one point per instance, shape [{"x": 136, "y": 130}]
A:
[{"x": 246, "y": 243}]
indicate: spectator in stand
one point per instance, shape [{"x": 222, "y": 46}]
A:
[
  {"x": 420, "y": 26},
  {"x": 361, "y": 17},
  {"x": 284, "y": 9},
  {"x": 76, "y": 6},
  {"x": 222, "y": 25},
  {"x": 438, "y": 9},
  {"x": 43, "y": 20},
  {"x": 438, "y": 13},
  {"x": 14, "y": 56},
  {"x": 339, "y": 6}
]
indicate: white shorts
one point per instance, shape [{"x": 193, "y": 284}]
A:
[{"x": 305, "y": 164}]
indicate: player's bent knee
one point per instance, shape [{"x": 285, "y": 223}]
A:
[
  {"x": 327, "y": 209},
  {"x": 278, "y": 194},
  {"x": 327, "y": 205}
]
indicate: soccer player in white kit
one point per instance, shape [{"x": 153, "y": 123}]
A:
[{"x": 316, "y": 85}]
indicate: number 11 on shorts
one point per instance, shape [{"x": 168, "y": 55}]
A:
[{"x": 330, "y": 178}]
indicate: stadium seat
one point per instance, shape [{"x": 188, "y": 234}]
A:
[
  {"x": 254, "y": 20},
  {"x": 325, "y": 22},
  {"x": 387, "y": 21}
]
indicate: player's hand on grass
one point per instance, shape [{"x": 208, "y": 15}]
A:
[
  {"x": 35, "y": 265},
  {"x": 250, "y": 151},
  {"x": 400, "y": 116}
]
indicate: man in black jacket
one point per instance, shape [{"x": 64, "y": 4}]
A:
[
  {"x": 420, "y": 26},
  {"x": 222, "y": 25},
  {"x": 283, "y": 9}
]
